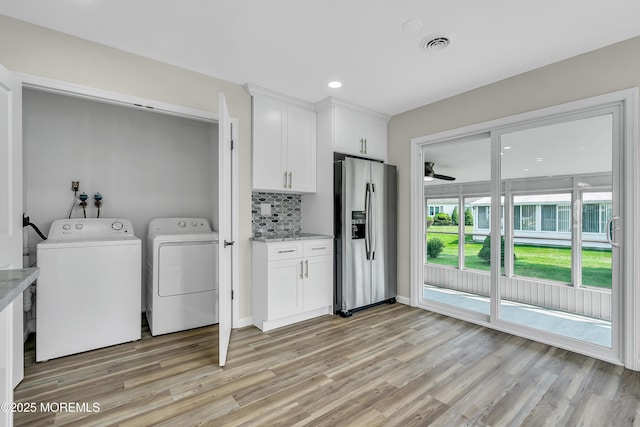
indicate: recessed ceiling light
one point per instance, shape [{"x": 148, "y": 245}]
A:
[
  {"x": 507, "y": 148},
  {"x": 335, "y": 85},
  {"x": 539, "y": 159},
  {"x": 412, "y": 25},
  {"x": 526, "y": 170}
]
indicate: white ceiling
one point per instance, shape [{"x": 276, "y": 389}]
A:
[{"x": 297, "y": 46}]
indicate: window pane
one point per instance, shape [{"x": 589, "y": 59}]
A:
[
  {"x": 469, "y": 161},
  {"x": 483, "y": 217},
  {"x": 548, "y": 217},
  {"x": 516, "y": 218},
  {"x": 590, "y": 218},
  {"x": 441, "y": 244},
  {"x": 596, "y": 265},
  {"x": 528, "y": 217},
  {"x": 564, "y": 218},
  {"x": 596, "y": 250},
  {"x": 605, "y": 216},
  {"x": 473, "y": 242},
  {"x": 543, "y": 261}
]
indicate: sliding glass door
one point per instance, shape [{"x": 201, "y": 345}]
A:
[
  {"x": 528, "y": 235},
  {"x": 560, "y": 191}
]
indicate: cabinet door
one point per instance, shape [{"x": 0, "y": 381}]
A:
[
  {"x": 301, "y": 149},
  {"x": 375, "y": 133},
  {"x": 269, "y": 131},
  {"x": 347, "y": 134},
  {"x": 284, "y": 296},
  {"x": 318, "y": 282}
]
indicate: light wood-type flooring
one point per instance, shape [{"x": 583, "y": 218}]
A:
[{"x": 389, "y": 365}]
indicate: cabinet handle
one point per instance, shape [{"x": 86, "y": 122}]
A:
[
  {"x": 285, "y": 180},
  {"x": 287, "y": 251},
  {"x": 306, "y": 263},
  {"x": 365, "y": 146},
  {"x": 361, "y": 145},
  {"x": 317, "y": 249},
  {"x": 301, "y": 270},
  {"x": 290, "y": 174}
]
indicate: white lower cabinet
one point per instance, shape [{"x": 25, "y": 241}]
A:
[
  {"x": 284, "y": 294},
  {"x": 291, "y": 282}
]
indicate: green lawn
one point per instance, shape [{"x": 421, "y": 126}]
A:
[{"x": 543, "y": 262}]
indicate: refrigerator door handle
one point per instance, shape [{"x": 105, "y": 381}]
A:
[
  {"x": 374, "y": 220},
  {"x": 367, "y": 225}
]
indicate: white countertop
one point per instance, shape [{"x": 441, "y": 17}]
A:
[{"x": 14, "y": 282}]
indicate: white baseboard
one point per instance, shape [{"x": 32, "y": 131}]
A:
[
  {"x": 246, "y": 321},
  {"x": 290, "y": 320},
  {"x": 403, "y": 300}
]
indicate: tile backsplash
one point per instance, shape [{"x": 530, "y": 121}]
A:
[{"x": 286, "y": 215}]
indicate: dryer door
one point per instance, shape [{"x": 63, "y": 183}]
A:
[{"x": 186, "y": 268}]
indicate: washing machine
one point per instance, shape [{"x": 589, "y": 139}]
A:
[
  {"x": 89, "y": 289},
  {"x": 181, "y": 275}
]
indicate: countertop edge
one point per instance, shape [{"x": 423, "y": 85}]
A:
[
  {"x": 14, "y": 282},
  {"x": 280, "y": 239}
]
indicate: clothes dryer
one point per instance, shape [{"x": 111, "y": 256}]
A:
[
  {"x": 89, "y": 289},
  {"x": 181, "y": 275}
]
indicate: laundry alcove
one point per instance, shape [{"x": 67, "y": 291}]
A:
[{"x": 145, "y": 164}]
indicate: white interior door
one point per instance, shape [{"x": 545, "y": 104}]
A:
[
  {"x": 10, "y": 171},
  {"x": 225, "y": 218},
  {"x": 10, "y": 221}
]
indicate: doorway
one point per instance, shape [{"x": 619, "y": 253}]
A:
[{"x": 219, "y": 159}]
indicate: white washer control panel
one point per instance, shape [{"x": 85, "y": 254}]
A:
[
  {"x": 179, "y": 225},
  {"x": 90, "y": 228}
]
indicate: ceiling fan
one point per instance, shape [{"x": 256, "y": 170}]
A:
[{"x": 429, "y": 175}]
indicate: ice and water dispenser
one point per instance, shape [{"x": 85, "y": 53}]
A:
[{"x": 358, "y": 221}]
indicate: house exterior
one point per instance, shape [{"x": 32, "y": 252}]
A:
[
  {"x": 440, "y": 206},
  {"x": 546, "y": 219}
]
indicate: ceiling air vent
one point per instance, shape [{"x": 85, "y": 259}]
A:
[{"x": 435, "y": 42}]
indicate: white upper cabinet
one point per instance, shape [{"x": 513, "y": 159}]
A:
[
  {"x": 301, "y": 149},
  {"x": 284, "y": 144},
  {"x": 354, "y": 130}
]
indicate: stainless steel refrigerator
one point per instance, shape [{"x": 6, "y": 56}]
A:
[{"x": 365, "y": 228}]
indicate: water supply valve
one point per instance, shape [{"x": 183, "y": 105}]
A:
[
  {"x": 98, "y": 202},
  {"x": 83, "y": 202}
]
